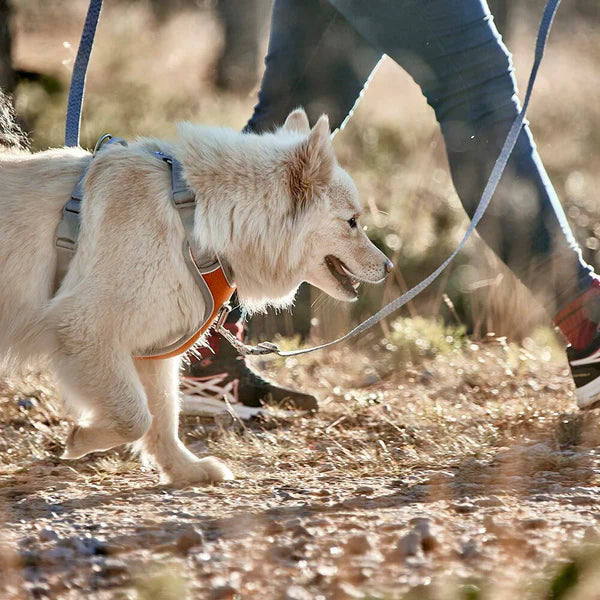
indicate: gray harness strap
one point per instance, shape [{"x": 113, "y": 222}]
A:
[
  {"x": 67, "y": 231},
  {"x": 184, "y": 201}
]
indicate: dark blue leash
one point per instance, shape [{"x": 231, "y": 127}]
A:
[
  {"x": 79, "y": 73},
  {"x": 72, "y": 139}
]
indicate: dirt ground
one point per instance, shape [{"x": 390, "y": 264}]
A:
[
  {"x": 437, "y": 468},
  {"x": 467, "y": 474}
]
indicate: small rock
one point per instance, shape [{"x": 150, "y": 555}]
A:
[
  {"x": 346, "y": 591},
  {"x": 189, "y": 538},
  {"x": 300, "y": 531},
  {"x": 88, "y": 546},
  {"x": 359, "y": 544},
  {"x": 56, "y": 555},
  {"x": 409, "y": 545},
  {"x": 113, "y": 567},
  {"x": 581, "y": 500},
  {"x": 536, "y": 523},
  {"x": 48, "y": 535},
  {"x": 296, "y": 592},
  {"x": 27, "y": 403},
  {"x": 364, "y": 490},
  {"x": 327, "y": 570},
  {"x": 224, "y": 592},
  {"x": 469, "y": 550},
  {"x": 489, "y": 502},
  {"x": 370, "y": 379},
  {"x": 423, "y": 527},
  {"x": 274, "y": 527},
  {"x": 464, "y": 508}
]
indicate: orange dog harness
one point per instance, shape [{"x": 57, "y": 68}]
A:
[{"x": 210, "y": 276}]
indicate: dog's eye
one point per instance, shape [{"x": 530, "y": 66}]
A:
[{"x": 352, "y": 222}]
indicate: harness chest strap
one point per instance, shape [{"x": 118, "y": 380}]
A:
[
  {"x": 212, "y": 281},
  {"x": 221, "y": 291}
]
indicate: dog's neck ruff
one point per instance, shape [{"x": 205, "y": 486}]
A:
[{"x": 212, "y": 276}]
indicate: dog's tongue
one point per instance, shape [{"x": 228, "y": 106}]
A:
[{"x": 337, "y": 264}]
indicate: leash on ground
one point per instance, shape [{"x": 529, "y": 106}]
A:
[{"x": 72, "y": 139}]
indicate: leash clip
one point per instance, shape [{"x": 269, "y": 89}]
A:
[{"x": 222, "y": 315}]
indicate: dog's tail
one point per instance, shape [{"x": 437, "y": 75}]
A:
[{"x": 12, "y": 137}]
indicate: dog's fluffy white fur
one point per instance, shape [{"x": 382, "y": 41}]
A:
[{"x": 272, "y": 206}]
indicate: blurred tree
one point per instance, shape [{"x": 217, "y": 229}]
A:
[
  {"x": 501, "y": 10},
  {"x": 242, "y": 24},
  {"x": 588, "y": 8},
  {"x": 7, "y": 74}
]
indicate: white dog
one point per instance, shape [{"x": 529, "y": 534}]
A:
[{"x": 275, "y": 208}]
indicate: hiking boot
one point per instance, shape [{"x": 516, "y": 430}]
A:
[
  {"x": 585, "y": 368},
  {"x": 242, "y": 383}
]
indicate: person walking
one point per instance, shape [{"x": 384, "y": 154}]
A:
[{"x": 321, "y": 55}]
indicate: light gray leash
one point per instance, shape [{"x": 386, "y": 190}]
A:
[{"x": 490, "y": 188}]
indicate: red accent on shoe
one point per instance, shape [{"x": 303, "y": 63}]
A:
[{"x": 573, "y": 320}]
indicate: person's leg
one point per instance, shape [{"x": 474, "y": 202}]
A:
[
  {"x": 453, "y": 51},
  {"x": 316, "y": 60}
]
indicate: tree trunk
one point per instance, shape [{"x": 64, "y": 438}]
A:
[{"x": 7, "y": 74}]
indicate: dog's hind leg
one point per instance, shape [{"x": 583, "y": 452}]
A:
[
  {"x": 162, "y": 444},
  {"x": 105, "y": 388}
]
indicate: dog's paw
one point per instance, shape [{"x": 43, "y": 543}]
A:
[
  {"x": 204, "y": 470},
  {"x": 75, "y": 446}
]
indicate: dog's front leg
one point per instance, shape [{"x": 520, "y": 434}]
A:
[
  {"x": 104, "y": 388},
  {"x": 161, "y": 444}
]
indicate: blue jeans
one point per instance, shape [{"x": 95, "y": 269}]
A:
[{"x": 322, "y": 52}]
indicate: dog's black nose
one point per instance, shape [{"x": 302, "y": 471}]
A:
[{"x": 389, "y": 265}]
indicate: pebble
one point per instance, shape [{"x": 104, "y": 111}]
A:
[
  {"x": 359, "y": 544},
  {"x": 464, "y": 508},
  {"x": 274, "y": 527},
  {"x": 27, "y": 403},
  {"x": 327, "y": 570},
  {"x": 409, "y": 545},
  {"x": 490, "y": 524},
  {"x": 346, "y": 591},
  {"x": 114, "y": 566},
  {"x": 364, "y": 490},
  {"x": 535, "y": 523},
  {"x": 55, "y": 555},
  {"x": 48, "y": 535},
  {"x": 469, "y": 549},
  {"x": 581, "y": 500},
  {"x": 490, "y": 501},
  {"x": 296, "y": 592},
  {"x": 300, "y": 531},
  {"x": 224, "y": 592},
  {"x": 423, "y": 527},
  {"x": 189, "y": 538}
]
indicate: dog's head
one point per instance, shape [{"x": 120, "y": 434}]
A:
[
  {"x": 280, "y": 210},
  {"x": 324, "y": 196}
]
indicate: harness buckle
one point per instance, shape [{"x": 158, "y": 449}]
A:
[{"x": 222, "y": 315}]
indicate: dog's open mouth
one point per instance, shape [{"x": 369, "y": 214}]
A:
[{"x": 345, "y": 278}]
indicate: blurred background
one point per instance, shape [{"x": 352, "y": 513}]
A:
[{"x": 156, "y": 62}]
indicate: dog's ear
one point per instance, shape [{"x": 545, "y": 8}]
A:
[
  {"x": 312, "y": 165},
  {"x": 297, "y": 121}
]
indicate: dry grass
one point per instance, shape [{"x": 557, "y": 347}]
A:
[{"x": 421, "y": 414}]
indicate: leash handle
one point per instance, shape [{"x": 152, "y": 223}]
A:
[
  {"x": 488, "y": 192},
  {"x": 77, "y": 88}
]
